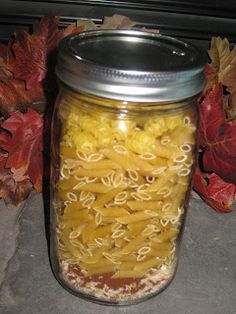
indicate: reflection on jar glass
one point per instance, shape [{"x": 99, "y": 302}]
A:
[{"x": 120, "y": 187}]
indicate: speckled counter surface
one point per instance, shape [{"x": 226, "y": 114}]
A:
[{"x": 205, "y": 282}]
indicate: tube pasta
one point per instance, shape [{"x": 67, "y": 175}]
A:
[
  {"x": 96, "y": 256},
  {"x": 123, "y": 160},
  {"x": 183, "y": 134},
  {"x": 140, "y": 163},
  {"x": 136, "y": 217},
  {"x": 94, "y": 188},
  {"x": 166, "y": 235},
  {"x": 105, "y": 198},
  {"x": 137, "y": 226},
  {"x": 76, "y": 215},
  {"x": 113, "y": 212},
  {"x": 89, "y": 228},
  {"x": 119, "y": 242},
  {"x": 68, "y": 184},
  {"x": 68, "y": 152},
  {"x": 133, "y": 245},
  {"x": 162, "y": 254},
  {"x": 147, "y": 264},
  {"x": 163, "y": 179},
  {"x": 73, "y": 207},
  {"x": 102, "y": 164},
  {"x": 167, "y": 151},
  {"x": 71, "y": 223},
  {"x": 73, "y": 250},
  {"x": 159, "y": 162},
  {"x": 101, "y": 270},
  {"x": 126, "y": 266},
  {"x": 144, "y": 205},
  {"x": 101, "y": 231},
  {"x": 94, "y": 173},
  {"x": 164, "y": 246}
]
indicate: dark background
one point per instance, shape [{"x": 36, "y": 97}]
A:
[{"x": 192, "y": 20}]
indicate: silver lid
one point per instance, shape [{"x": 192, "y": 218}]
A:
[{"x": 131, "y": 65}]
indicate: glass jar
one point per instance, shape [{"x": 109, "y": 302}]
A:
[{"x": 122, "y": 158}]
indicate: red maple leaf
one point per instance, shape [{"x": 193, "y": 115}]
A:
[
  {"x": 14, "y": 96},
  {"x": 24, "y": 146},
  {"x": 27, "y": 58},
  {"x": 11, "y": 191},
  {"x": 217, "y": 137},
  {"x": 214, "y": 191},
  {"x": 25, "y": 62},
  {"x": 13, "y": 92},
  {"x": 48, "y": 28}
]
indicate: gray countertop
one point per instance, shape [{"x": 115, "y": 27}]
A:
[{"x": 205, "y": 281}]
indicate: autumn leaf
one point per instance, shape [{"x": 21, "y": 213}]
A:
[
  {"x": 4, "y": 73},
  {"x": 223, "y": 70},
  {"x": 117, "y": 22},
  {"x": 25, "y": 62},
  {"x": 48, "y": 29},
  {"x": 24, "y": 146},
  {"x": 13, "y": 93},
  {"x": 217, "y": 137},
  {"x": 227, "y": 70},
  {"x": 214, "y": 191},
  {"x": 229, "y": 104},
  {"x": 223, "y": 60},
  {"x": 11, "y": 191},
  {"x": 27, "y": 59},
  {"x": 24, "y": 65},
  {"x": 14, "y": 96},
  {"x": 211, "y": 78},
  {"x": 87, "y": 25}
]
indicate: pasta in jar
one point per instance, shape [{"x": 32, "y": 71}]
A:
[
  {"x": 121, "y": 178},
  {"x": 120, "y": 200}
]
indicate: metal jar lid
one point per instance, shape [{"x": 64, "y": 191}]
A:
[{"x": 131, "y": 65}]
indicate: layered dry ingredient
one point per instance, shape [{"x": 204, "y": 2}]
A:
[{"x": 120, "y": 198}]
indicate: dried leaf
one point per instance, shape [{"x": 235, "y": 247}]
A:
[
  {"x": 13, "y": 93},
  {"x": 11, "y": 191},
  {"x": 4, "y": 73},
  {"x": 48, "y": 30},
  {"x": 24, "y": 146},
  {"x": 87, "y": 25},
  {"x": 28, "y": 56},
  {"x": 14, "y": 96},
  {"x": 211, "y": 78},
  {"x": 217, "y": 137},
  {"x": 223, "y": 59},
  {"x": 23, "y": 66},
  {"x": 214, "y": 191},
  {"x": 117, "y": 22},
  {"x": 229, "y": 104},
  {"x": 223, "y": 65},
  {"x": 28, "y": 59}
]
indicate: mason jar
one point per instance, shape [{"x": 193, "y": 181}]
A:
[{"x": 122, "y": 158}]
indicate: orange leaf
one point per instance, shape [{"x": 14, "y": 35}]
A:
[
  {"x": 14, "y": 96},
  {"x": 28, "y": 56},
  {"x": 223, "y": 64},
  {"x": 24, "y": 146},
  {"x": 11, "y": 191},
  {"x": 28, "y": 60},
  {"x": 214, "y": 191},
  {"x": 217, "y": 137}
]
